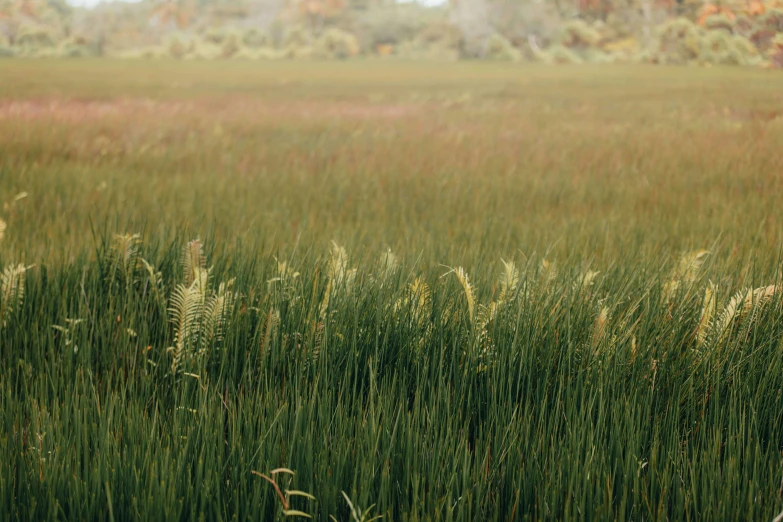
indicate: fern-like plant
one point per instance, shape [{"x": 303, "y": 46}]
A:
[
  {"x": 585, "y": 280},
  {"x": 487, "y": 314},
  {"x": 600, "y": 327},
  {"x": 154, "y": 283},
  {"x": 478, "y": 340},
  {"x": 547, "y": 271},
  {"x": 387, "y": 267},
  {"x": 217, "y": 310},
  {"x": 11, "y": 290},
  {"x": 684, "y": 273},
  {"x": 199, "y": 315},
  {"x": 464, "y": 280},
  {"x": 268, "y": 328},
  {"x": 509, "y": 281},
  {"x": 284, "y": 283},
  {"x": 413, "y": 310},
  {"x": 708, "y": 308},
  {"x": 125, "y": 256},
  {"x": 340, "y": 278},
  {"x": 185, "y": 313},
  {"x": 746, "y": 303},
  {"x": 192, "y": 260}
]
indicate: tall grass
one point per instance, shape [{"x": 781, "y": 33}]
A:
[{"x": 331, "y": 311}]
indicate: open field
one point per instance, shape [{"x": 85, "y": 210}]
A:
[{"x": 580, "y": 317}]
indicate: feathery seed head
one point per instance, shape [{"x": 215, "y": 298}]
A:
[
  {"x": 547, "y": 270},
  {"x": 388, "y": 266},
  {"x": 509, "y": 281},
  {"x": 462, "y": 276},
  {"x": 125, "y": 255},
  {"x": 707, "y": 311},
  {"x": 338, "y": 264},
  {"x": 11, "y": 290},
  {"x": 689, "y": 265},
  {"x": 192, "y": 260}
]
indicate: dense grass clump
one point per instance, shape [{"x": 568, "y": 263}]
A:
[
  {"x": 530, "y": 390},
  {"x": 528, "y": 302}
]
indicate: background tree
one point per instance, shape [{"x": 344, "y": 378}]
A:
[{"x": 472, "y": 18}]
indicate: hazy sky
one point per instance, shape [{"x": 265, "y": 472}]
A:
[
  {"x": 90, "y": 3},
  {"x": 87, "y": 3}
]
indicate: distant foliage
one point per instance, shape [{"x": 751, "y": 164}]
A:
[
  {"x": 500, "y": 49},
  {"x": 389, "y": 25},
  {"x": 498, "y": 30},
  {"x": 335, "y": 44}
]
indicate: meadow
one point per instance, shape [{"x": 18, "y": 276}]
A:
[{"x": 470, "y": 291}]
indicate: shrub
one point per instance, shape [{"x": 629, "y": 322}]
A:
[
  {"x": 520, "y": 21},
  {"x": 441, "y": 35},
  {"x": 153, "y": 53},
  {"x": 415, "y": 50},
  {"x": 335, "y": 44},
  {"x": 721, "y": 48},
  {"x": 645, "y": 56},
  {"x": 772, "y": 20},
  {"x": 745, "y": 26},
  {"x": 390, "y": 25},
  {"x": 559, "y": 54},
  {"x": 245, "y": 53},
  {"x": 296, "y": 43},
  {"x": 606, "y": 34},
  {"x": 746, "y": 47},
  {"x": 45, "y": 52},
  {"x": 34, "y": 36},
  {"x": 625, "y": 48},
  {"x": 438, "y": 41},
  {"x": 500, "y": 49},
  {"x": 147, "y": 53},
  {"x": 256, "y": 39},
  {"x": 775, "y": 53},
  {"x": 679, "y": 42},
  {"x": 719, "y": 22},
  {"x": 77, "y": 47},
  {"x": 214, "y": 35},
  {"x": 304, "y": 52},
  {"x": 295, "y": 36},
  {"x": 618, "y": 23},
  {"x": 70, "y": 51},
  {"x": 600, "y": 56},
  {"x": 178, "y": 45},
  {"x": 578, "y": 35},
  {"x": 231, "y": 43},
  {"x": 205, "y": 51},
  {"x": 262, "y": 53},
  {"x": 384, "y": 49}
]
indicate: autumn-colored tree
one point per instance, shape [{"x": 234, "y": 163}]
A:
[
  {"x": 714, "y": 10},
  {"x": 472, "y": 18},
  {"x": 174, "y": 13},
  {"x": 14, "y": 13},
  {"x": 315, "y": 15}
]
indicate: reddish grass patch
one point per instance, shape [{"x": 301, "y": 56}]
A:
[{"x": 82, "y": 111}]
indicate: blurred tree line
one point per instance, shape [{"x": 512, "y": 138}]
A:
[{"x": 739, "y": 32}]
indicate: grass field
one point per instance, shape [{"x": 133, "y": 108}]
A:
[{"x": 452, "y": 292}]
